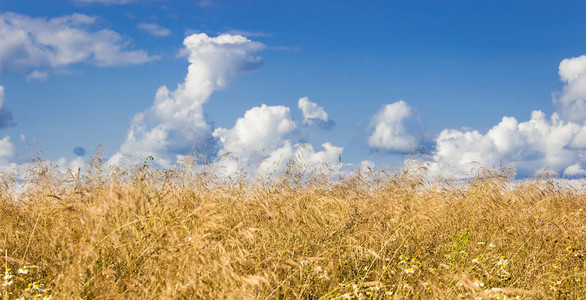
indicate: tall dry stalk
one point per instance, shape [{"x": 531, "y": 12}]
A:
[{"x": 145, "y": 233}]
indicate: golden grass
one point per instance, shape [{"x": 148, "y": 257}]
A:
[{"x": 143, "y": 233}]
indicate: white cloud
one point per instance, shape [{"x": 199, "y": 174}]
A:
[
  {"x": 530, "y": 146},
  {"x": 61, "y": 41},
  {"x": 557, "y": 143},
  {"x": 311, "y": 159},
  {"x": 304, "y": 156},
  {"x": 390, "y": 133},
  {"x": 572, "y": 102},
  {"x": 261, "y": 129},
  {"x": 154, "y": 29},
  {"x": 7, "y": 153},
  {"x": 257, "y": 134},
  {"x": 575, "y": 170},
  {"x": 37, "y": 75},
  {"x": 261, "y": 142},
  {"x": 71, "y": 166},
  {"x": 176, "y": 121},
  {"x": 367, "y": 165},
  {"x": 5, "y": 114},
  {"x": 314, "y": 114}
]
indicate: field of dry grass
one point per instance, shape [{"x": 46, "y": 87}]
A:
[{"x": 143, "y": 233}]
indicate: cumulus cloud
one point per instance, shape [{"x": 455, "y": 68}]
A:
[
  {"x": 5, "y": 114},
  {"x": 571, "y": 103},
  {"x": 575, "y": 170},
  {"x": 530, "y": 146},
  {"x": 367, "y": 165},
  {"x": 262, "y": 128},
  {"x": 303, "y": 155},
  {"x": 66, "y": 166},
  {"x": 314, "y": 114},
  {"x": 7, "y": 152},
  {"x": 154, "y": 29},
  {"x": 262, "y": 142},
  {"x": 330, "y": 154},
  {"x": 557, "y": 143},
  {"x": 390, "y": 133},
  {"x": 176, "y": 121},
  {"x": 257, "y": 134},
  {"x": 61, "y": 41}
]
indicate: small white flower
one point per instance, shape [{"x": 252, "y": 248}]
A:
[
  {"x": 7, "y": 276},
  {"x": 504, "y": 273}
]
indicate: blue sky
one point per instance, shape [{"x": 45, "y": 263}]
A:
[{"x": 458, "y": 68}]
